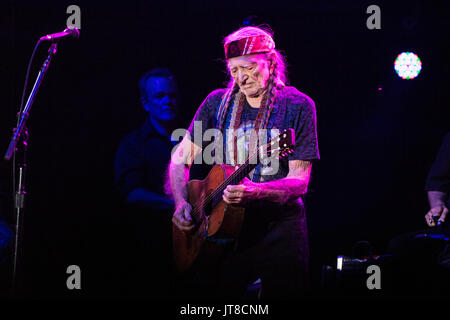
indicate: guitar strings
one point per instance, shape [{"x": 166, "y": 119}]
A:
[{"x": 226, "y": 182}]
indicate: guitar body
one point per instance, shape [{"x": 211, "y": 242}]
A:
[{"x": 220, "y": 224}]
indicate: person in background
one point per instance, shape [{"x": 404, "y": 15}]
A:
[{"x": 438, "y": 186}]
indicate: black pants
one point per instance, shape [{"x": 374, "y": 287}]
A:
[{"x": 274, "y": 249}]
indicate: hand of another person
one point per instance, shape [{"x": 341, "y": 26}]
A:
[{"x": 439, "y": 211}]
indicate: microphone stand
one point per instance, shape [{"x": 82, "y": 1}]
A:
[{"x": 21, "y": 135}]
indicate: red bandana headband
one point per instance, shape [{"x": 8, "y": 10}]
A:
[{"x": 250, "y": 45}]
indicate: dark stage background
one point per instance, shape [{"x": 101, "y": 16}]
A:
[{"x": 376, "y": 145}]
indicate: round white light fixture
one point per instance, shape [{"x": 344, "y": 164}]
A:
[{"x": 407, "y": 65}]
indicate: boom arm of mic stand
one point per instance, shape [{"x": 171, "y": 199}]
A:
[{"x": 26, "y": 110}]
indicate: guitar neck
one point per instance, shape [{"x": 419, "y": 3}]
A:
[{"x": 239, "y": 174}]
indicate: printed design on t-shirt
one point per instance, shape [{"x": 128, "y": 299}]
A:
[{"x": 243, "y": 134}]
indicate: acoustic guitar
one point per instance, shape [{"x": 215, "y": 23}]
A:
[{"x": 216, "y": 223}]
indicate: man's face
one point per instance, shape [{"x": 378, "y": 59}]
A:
[
  {"x": 251, "y": 73},
  {"x": 161, "y": 99}
]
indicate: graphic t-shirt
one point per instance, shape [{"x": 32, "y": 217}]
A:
[{"x": 292, "y": 109}]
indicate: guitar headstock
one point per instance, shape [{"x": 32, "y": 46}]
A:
[{"x": 284, "y": 143}]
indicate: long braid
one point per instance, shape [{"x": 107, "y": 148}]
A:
[{"x": 235, "y": 100}]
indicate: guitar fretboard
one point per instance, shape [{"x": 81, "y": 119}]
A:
[{"x": 214, "y": 197}]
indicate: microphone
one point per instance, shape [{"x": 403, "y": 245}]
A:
[{"x": 69, "y": 32}]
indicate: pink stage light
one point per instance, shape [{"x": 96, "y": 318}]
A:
[{"x": 407, "y": 65}]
